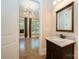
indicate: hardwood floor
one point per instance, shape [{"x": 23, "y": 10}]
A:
[{"x": 29, "y": 48}]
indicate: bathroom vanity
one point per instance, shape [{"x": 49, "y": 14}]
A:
[{"x": 58, "y": 48}]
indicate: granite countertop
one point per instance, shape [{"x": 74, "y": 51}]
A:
[{"x": 59, "y": 41}]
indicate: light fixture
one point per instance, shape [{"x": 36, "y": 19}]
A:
[
  {"x": 58, "y": 0},
  {"x": 54, "y": 3}
]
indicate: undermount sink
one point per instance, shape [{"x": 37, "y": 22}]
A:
[{"x": 59, "y": 41}]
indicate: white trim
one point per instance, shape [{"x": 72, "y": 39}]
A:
[
  {"x": 43, "y": 51},
  {"x": 40, "y": 34}
]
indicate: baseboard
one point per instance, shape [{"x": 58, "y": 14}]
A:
[{"x": 42, "y": 51}]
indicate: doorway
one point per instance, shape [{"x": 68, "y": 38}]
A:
[
  {"x": 35, "y": 27},
  {"x": 29, "y": 27},
  {"x": 29, "y": 30}
]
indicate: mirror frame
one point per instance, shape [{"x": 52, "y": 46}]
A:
[{"x": 72, "y": 30}]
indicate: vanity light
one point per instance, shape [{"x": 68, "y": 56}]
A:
[{"x": 54, "y": 3}]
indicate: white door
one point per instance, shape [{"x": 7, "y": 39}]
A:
[{"x": 9, "y": 29}]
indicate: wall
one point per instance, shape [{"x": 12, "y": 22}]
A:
[
  {"x": 73, "y": 35},
  {"x": 59, "y": 6},
  {"x": 48, "y": 22},
  {"x": 9, "y": 29},
  {"x": 45, "y": 22}
]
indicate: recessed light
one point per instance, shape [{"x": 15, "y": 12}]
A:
[
  {"x": 58, "y": 0},
  {"x": 54, "y": 3}
]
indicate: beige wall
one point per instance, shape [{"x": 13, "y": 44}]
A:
[
  {"x": 9, "y": 29},
  {"x": 74, "y": 34},
  {"x": 59, "y": 6}
]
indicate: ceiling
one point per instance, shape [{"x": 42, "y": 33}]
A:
[{"x": 28, "y": 5}]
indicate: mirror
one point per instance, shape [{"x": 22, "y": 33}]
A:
[{"x": 64, "y": 18}]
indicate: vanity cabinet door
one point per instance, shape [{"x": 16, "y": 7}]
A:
[
  {"x": 68, "y": 52},
  {"x": 56, "y": 52},
  {"x": 49, "y": 51},
  {"x": 53, "y": 51}
]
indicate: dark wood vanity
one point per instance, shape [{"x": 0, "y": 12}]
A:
[{"x": 56, "y": 52}]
